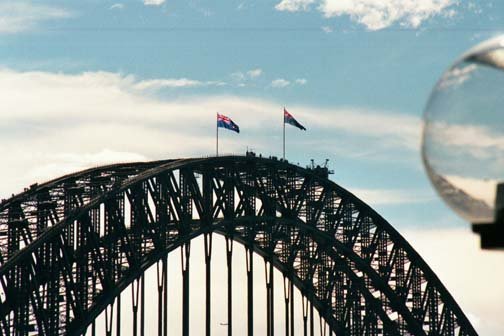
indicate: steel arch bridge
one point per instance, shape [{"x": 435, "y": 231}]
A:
[{"x": 70, "y": 246}]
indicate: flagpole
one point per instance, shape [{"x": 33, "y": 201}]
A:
[
  {"x": 217, "y": 138},
  {"x": 283, "y": 123}
]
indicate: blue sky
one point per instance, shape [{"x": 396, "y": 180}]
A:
[{"x": 89, "y": 82}]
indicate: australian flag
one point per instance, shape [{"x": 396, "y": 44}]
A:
[
  {"x": 289, "y": 119},
  {"x": 225, "y": 122}
]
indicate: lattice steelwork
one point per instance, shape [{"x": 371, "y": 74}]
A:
[{"x": 70, "y": 246}]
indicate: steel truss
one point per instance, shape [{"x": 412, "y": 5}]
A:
[{"x": 69, "y": 247}]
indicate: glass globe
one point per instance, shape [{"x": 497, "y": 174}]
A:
[{"x": 463, "y": 135}]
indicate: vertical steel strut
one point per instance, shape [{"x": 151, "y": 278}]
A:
[
  {"x": 185, "y": 253},
  {"x": 292, "y": 307},
  {"x": 109, "y": 319},
  {"x": 312, "y": 328},
  {"x": 250, "y": 290},
  {"x": 165, "y": 298},
  {"x": 118, "y": 313},
  {"x": 287, "y": 299},
  {"x": 304, "y": 303},
  {"x": 272, "y": 307},
  {"x": 142, "y": 305},
  {"x": 160, "y": 286},
  {"x": 323, "y": 326},
  {"x": 269, "y": 297},
  {"x": 229, "y": 259},
  {"x": 93, "y": 325},
  {"x": 134, "y": 299},
  {"x": 208, "y": 257}
]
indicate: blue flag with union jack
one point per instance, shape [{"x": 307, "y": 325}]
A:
[
  {"x": 289, "y": 119},
  {"x": 226, "y": 122}
]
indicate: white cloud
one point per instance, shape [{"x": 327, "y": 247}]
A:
[
  {"x": 480, "y": 189},
  {"x": 456, "y": 76},
  {"x": 280, "y": 83},
  {"x": 241, "y": 6},
  {"x": 154, "y": 2},
  {"x": 19, "y": 16},
  {"x": 117, "y": 6},
  {"x": 470, "y": 158},
  {"x": 254, "y": 73},
  {"x": 301, "y": 81},
  {"x": 294, "y": 5},
  {"x": 48, "y": 119},
  {"x": 327, "y": 29},
  {"x": 238, "y": 76},
  {"x": 389, "y": 129},
  {"x": 60, "y": 164},
  {"x": 174, "y": 83},
  {"x": 202, "y": 10},
  {"x": 478, "y": 141},
  {"x": 376, "y": 15},
  {"x": 376, "y": 197}
]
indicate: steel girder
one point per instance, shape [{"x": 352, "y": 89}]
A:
[{"x": 70, "y": 246}]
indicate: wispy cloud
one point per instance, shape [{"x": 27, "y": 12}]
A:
[
  {"x": 480, "y": 189},
  {"x": 381, "y": 14},
  {"x": 241, "y": 6},
  {"x": 294, "y": 5},
  {"x": 375, "y": 15},
  {"x": 389, "y": 129},
  {"x": 254, "y": 73},
  {"x": 63, "y": 163},
  {"x": 242, "y": 76},
  {"x": 456, "y": 76},
  {"x": 470, "y": 136},
  {"x": 468, "y": 150},
  {"x": 61, "y": 111},
  {"x": 301, "y": 81},
  {"x": 327, "y": 29},
  {"x": 197, "y": 7},
  {"x": 375, "y": 197},
  {"x": 280, "y": 83},
  {"x": 117, "y": 6},
  {"x": 157, "y": 84},
  {"x": 154, "y": 2},
  {"x": 238, "y": 76},
  {"x": 20, "y": 16}
]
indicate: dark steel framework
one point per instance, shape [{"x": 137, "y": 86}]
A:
[{"x": 70, "y": 246}]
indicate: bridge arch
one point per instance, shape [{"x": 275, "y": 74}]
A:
[{"x": 73, "y": 244}]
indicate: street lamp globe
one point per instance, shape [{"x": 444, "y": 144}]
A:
[{"x": 463, "y": 134}]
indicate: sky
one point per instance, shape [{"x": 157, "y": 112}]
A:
[{"x": 92, "y": 82}]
